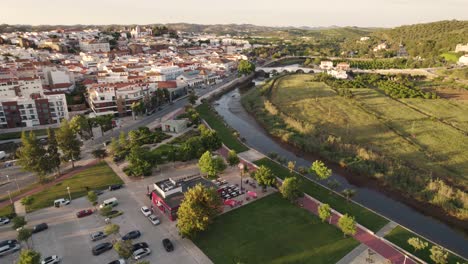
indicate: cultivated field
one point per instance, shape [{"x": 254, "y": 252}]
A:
[{"x": 407, "y": 144}]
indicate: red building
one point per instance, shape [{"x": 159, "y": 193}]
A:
[{"x": 168, "y": 194}]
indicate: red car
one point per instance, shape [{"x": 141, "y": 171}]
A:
[{"x": 84, "y": 213}]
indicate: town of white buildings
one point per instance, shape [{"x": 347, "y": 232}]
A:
[{"x": 39, "y": 70}]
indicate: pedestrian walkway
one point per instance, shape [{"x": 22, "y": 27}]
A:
[
  {"x": 118, "y": 171},
  {"x": 365, "y": 237}
]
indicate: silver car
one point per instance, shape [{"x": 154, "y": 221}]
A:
[
  {"x": 97, "y": 236},
  {"x": 141, "y": 253},
  {"x": 9, "y": 248}
]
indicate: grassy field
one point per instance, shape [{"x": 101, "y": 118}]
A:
[
  {"x": 451, "y": 56},
  {"x": 271, "y": 230},
  {"x": 225, "y": 133},
  {"x": 378, "y": 122},
  {"x": 400, "y": 236},
  {"x": 96, "y": 177},
  {"x": 363, "y": 216},
  {"x": 402, "y": 143}
]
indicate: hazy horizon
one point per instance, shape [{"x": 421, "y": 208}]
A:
[{"x": 293, "y": 13}]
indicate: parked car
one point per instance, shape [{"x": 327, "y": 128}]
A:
[
  {"x": 97, "y": 236},
  {"x": 98, "y": 192},
  {"x": 9, "y": 248},
  {"x": 137, "y": 246},
  {"x": 40, "y": 227},
  {"x": 117, "y": 261},
  {"x": 167, "y": 244},
  {"x": 132, "y": 235},
  {"x": 4, "y": 221},
  {"x": 51, "y": 260},
  {"x": 84, "y": 213},
  {"x": 141, "y": 253},
  {"x": 61, "y": 202},
  {"x": 101, "y": 248},
  {"x": 115, "y": 187},
  {"x": 145, "y": 210},
  {"x": 8, "y": 242},
  {"x": 154, "y": 219},
  {"x": 109, "y": 202}
]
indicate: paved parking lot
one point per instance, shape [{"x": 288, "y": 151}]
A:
[{"x": 68, "y": 236}]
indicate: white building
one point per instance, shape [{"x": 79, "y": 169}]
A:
[
  {"x": 463, "y": 60},
  {"x": 326, "y": 65},
  {"x": 20, "y": 87},
  {"x": 382, "y": 46},
  {"x": 461, "y": 48},
  {"x": 171, "y": 72},
  {"x": 94, "y": 46}
]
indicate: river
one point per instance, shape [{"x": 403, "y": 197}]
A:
[{"x": 235, "y": 115}]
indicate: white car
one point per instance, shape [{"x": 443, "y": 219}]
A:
[
  {"x": 154, "y": 219},
  {"x": 51, "y": 260},
  {"x": 4, "y": 221},
  {"x": 140, "y": 253},
  {"x": 145, "y": 210},
  {"x": 61, "y": 202}
]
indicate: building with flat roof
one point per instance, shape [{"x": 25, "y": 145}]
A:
[{"x": 168, "y": 194}]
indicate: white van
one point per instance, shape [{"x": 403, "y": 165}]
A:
[
  {"x": 61, "y": 202},
  {"x": 112, "y": 202}
]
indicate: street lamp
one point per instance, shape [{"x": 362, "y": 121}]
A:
[
  {"x": 17, "y": 186},
  {"x": 404, "y": 262},
  {"x": 69, "y": 195},
  {"x": 241, "y": 168},
  {"x": 8, "y": 178}
]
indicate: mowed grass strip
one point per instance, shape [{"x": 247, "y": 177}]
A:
[
  {"x": 363, "y": 216},
  {"x": 399, "y": 236},
  {"x": 97, "y": 177},
  {"x": 272, "y": 230},
  {"x": 224, "y": 132},
  {"x": 16, "y": 135}
]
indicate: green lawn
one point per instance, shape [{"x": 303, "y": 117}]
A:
[
  {"x": 451, "y": 56},
  {"x": 96, "y": 177},
  {"x": 363, "y": 216},
  {"x": 400, "y": 236},
  {"x": 225, "y": 133},
  {"x": 7, "y": 211},
  {"x": 271, "y": 230},
  {"x": 16, "y": 135}
]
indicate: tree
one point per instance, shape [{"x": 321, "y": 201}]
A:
[
  {"x": 264, "y": 176},
  {"x": 27, "y": 201},
  {"x": 417, "y": 243},
  {"x": 192, "y": 98},
  {"x": 319, "y": 169},
  {"x": 99, "y": 153},
  {"x": 106, "y": 210},
  {"x": 245, "y": 67},
  {"x": 209, "y": 138},
  {"x": 31, "y": 155},
  {"x": 324, "y": 211},
  {"x": 29, "y": 257},
  {"x": 209, "y": 165},
  {"x": 92, "y": 197},
  {"x": 333, "y": 184},
  {"x": 81, "y": 125},
  {"x": 53, "y": 155},
  {"x": 347, "y": 224},
  {"x": 23, "y": 235},
  {"x": 232, "y": 158},
  {"x": 112, "y": 229},
  {"x": 68, "y": 142},
  {"x": 18, "y": 221},
  {"x": 139, "y": 160},
  {"x": 291, "y": 166},
  {"x": 124, "y": 248},
  {"x": 348, "y": 193},
  {"x": 104, "y": 122},
  {"x": 197, "y": 210},
  {"x": 439, "y": 255},
  {"x": 290, "y": 189}
]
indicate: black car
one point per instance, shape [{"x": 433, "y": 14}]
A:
[
  {"x": 40, "y": 227},
  {"x": 8, "y": 242},
  {"x": 132, "y": 235},
  {"x": 115, "y": 187},
  {"x": 101, "y": 248},
  {"x": 167, "y": 244},
  {"x": 137, "y": 246}
]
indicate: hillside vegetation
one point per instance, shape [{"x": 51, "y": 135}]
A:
[{"x": 405, "y": 143}]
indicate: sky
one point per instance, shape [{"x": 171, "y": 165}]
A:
[{"x": 312, "y": 13}]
